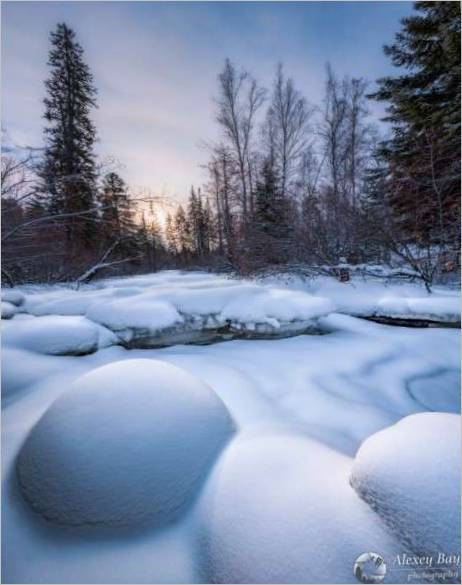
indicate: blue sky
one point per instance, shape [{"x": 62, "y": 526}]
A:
[{"x": 156, "y": 64}]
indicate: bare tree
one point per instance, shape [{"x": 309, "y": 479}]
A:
[
  {"x": 239, "y": 99},
  {"x": 288, "y": 128}
]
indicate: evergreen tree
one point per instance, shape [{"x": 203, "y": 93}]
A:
[
  {"x": 117, "y": 213},
  {"x": 270, "y": 226},
  {"x": 68, "y": 170},
  {"x": 170, "y": 235},
  {"x": 420, "y": 171},
  {"x": 183, "y": 232}
]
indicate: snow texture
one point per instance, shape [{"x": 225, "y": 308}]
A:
[
  {"x": 276, "y": 502},
  {"x": 56, "y": 335},
  {"x": 8, "y": 310},
  {"x": 281, "y": 511},
  {"x": 15, "y": 297},
  {"x": 410, "y": 475},
  {"x": 127, "y": 444}
]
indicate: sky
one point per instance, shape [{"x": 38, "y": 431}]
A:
[{"x": 155, "y": 65}]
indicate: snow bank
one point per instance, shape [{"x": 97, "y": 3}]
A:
[
  {"x": 55, "y": 335},
  {"x": 8, "y": 310},
  {"x": 432, "y": 308},
  {"x": 372, "y": 297},
  {"x": 279, "y": 509},
  {"x": 275, "y": 307},
  {"x": 410, "y": 474},
  {"x": 127, "y": 444},
  {"x": 128, "y": 313}
]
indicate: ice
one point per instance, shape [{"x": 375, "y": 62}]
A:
[
  {"x": 410, "y": 475},
  {"x": 128, "y": 444},
  {"x": 8, "y": 310},
  {"x": 56, "y": 335},
  {"x": 279, "y": 509}
]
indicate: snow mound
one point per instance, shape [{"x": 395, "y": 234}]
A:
[
  {"x": 128, "y": 443},
  {"x": 54, "y": 335},
  {"x": 409, "y": 474},
  {"x": 275, "y": 307},
  {"x": 445, "y": 309},
  {"x": 279, "y": 509},
  {"x": 8, "y": 310},
  {"x": 13, "y": 296},
  {"x": 130, "y": 317}
]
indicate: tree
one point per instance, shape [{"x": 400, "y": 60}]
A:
[
  {"x": 287, "y": 120},
  {"x": 117, "y": 213},
  {"x": 68, "y": 170},
  {"x": 239, "y": 100},
  {"x": 170, "y": 235},
  {"x": 183, "y": 233},
  {"x": 269, "y": 241},
  {"x": 420, "y": 170}
]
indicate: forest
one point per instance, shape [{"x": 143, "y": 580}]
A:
[{"x": 290, "y": 186}]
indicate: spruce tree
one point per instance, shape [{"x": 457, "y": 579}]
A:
[
  {"x": 68, "y": 170},
  {"x": 420, "y": 171},
  {"x": 117, "y": 213},
  {"x": 270, "y": 226}
]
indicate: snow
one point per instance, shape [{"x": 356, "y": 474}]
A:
[
  {"x": 270, "y": 498},
  {"x": 158, "y": 431},
  {"x": 8, "y": 310},
  {"x": 369, "y": 297},
  {"x": 410, "y": 474},
  {"x": 302, "y": 406},
  {"x": 445, "y": 309},
  {"x": 13, "y": 296},
  {"x": 275, "y": 306},
  {"x": 128, "y": 314},
  {"x": 55, "y": 335}
]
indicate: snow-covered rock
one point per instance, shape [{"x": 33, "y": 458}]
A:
[
  {"x": 8, "y": 310},
  {"x": 279, "y": 509},
  {"x": 409, "y": 474},
  {"x": 55, "y": 335},
  {"x": 128, "y": 443},
  {"x": 15, "y": 297}
]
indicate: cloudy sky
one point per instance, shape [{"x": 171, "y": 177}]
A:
[{"x": 156, "y": 63}]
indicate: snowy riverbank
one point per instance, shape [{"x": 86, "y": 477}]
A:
[{"x": 256, "y": 460}]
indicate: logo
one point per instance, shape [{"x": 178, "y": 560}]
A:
[{"x": 370, "y": 568}]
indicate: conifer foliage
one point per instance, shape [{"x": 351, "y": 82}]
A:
[
  {"x": 68, "y": 171},
  {"x": 420, "y": 170}
]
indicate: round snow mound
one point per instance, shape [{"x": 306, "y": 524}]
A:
[
  {"x": 409, "y": 474},
  {"x": 8, "y": 310},
  {"x": 128, "y": 443}
]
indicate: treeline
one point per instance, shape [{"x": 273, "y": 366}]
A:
[
  {"x": 65, "y": 215},
  {"x": 289, "y": 184},
  {"x": 296, "y": 183}
]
